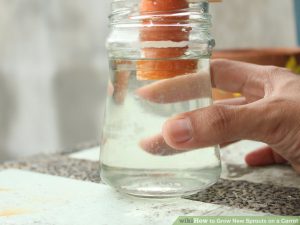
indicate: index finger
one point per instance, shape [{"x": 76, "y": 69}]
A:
[
  {"x": 233, "y": 76},
  {"x": 249, "y": 79}
]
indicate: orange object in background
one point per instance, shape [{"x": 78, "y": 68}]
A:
[
  {"x": 161, "y": 25},
  {"x": 264, "y": 56}
]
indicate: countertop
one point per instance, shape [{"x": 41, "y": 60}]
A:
[{"x": 271, "y": 190}]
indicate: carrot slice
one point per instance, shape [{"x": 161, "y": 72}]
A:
[
  {"x": 162, "y": 5},
  {"x": 168, "y": 33},
  {"x": 161, "y": 53},
  {"x": 157, "y": 67}
]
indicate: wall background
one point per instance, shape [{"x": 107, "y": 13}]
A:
[
  {"x": 297, "y": 12},
  {"x": 53, "y": 67},
  {"x": 255, "y": 23}
]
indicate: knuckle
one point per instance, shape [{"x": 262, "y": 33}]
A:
[
  {"x": 271, "y": 75},
  {"x": 274, "y": 130},
  {"x": 283, "y": 125},
  {"x": 275, "y": 70},
  {"x": 277, "y": 80}
]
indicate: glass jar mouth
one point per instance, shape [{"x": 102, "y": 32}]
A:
[
  {"x": 141, "y": 32},
  {"x": 127, "y": 13}
]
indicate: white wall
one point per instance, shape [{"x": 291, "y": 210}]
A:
[
  {"x": 254, "y": 23},
  {"x": 53, "y": 68}
]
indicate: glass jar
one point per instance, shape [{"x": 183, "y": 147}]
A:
[{"x": 159, "y": 52}]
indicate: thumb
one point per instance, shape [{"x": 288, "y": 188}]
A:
[{"x": 218, "y": 124}]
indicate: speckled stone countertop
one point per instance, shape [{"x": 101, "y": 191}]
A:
[{"x": 236, "y": 189}]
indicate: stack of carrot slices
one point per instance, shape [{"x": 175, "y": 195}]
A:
[{"x": 163, "y": 62}]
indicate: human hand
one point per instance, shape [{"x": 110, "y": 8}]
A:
[{"x": 269, "y": 112}]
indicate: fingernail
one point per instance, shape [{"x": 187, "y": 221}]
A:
[{"x": 179, "y": 130}]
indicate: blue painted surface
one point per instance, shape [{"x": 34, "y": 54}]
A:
[{"x": 297, "y": 9}]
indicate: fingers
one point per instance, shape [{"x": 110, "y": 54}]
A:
[
  {"x": 217, "y": 124},
  {"x": 248, "y": 79},
  {"x": 120, "y": 86},
  {"x": 156, "y": 145},
  {"x": 263, "y": 157},
  {"x": 245, "y": 78},
  {"x": 177, "y": 89}
]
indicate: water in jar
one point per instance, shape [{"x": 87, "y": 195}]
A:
[{"x": 132, "y": 119}]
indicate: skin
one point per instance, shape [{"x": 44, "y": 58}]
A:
[{"x": 269, "y": 112}]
